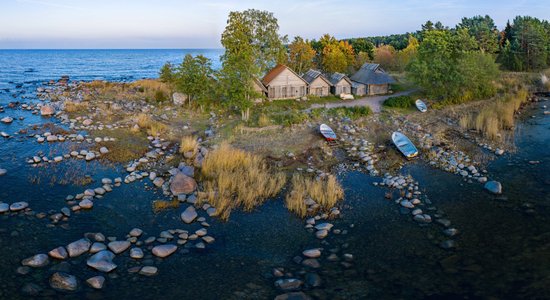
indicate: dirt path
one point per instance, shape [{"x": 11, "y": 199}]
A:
[{"x": 375, "y": 102}]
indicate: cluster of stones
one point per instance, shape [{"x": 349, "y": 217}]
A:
[
  {"x": 410, "y": 204},
  {"x": 82, "y": 154},
  {"x": 362, "y": 150},
  {"x": 14, "y": 207},
  {"x": 102, "y": 251},
  {"x": 457, "y": 162},
  {"x": 289, "y": 282}
]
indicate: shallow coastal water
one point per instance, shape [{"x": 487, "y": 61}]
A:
[{"x": 501, "y": 249}]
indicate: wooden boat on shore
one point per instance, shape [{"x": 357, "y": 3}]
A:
[
  {"x": 404, "y": 145},
  {"x": 421, "y": 105},
  {"x": 327, "y": 132}
]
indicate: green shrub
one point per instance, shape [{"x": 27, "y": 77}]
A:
[
  {"x": 160, "y": 96},
  {"x": 353, "y": 112},
  {"x": 293, "y": 117},
  {"x": 399, "y": 102}
]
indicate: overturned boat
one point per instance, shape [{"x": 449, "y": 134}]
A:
[
  {"x": 327, "y": 132},
  {"x": 421, "y": 105},
  {"x": 404, "y": 145}
]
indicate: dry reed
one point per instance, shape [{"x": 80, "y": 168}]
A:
[
  {"x": 496, "y": 116},
  {"x": 189, "y": 144},
  {"x": 325, "y": 192},
  {"x": 235, "y": 178}
]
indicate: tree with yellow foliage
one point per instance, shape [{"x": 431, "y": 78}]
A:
[{"x": 301, "y": 55}]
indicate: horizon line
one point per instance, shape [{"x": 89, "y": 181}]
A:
[{"x": 11, "y": 49}]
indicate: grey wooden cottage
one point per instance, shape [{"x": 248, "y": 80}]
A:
[
  {"x": 318, "y": 85},
  {"x": 341, "y": 84},
  {"x": 283, "y": 83},
  {"x": 375, "y": 79}
]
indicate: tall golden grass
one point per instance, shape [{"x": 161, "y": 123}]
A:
[
  {"x": 189, "y": 144},
  {"x": 152, "y": 127},
  {"x": 235, "y": 178},
  {"x": 545, "y": 81},
  {"x": 496, "y": 116},
  {"x": 325, "y": 192},
  {"x": 71, "y": 106}
]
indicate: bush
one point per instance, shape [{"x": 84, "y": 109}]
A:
[
  {"x": 399, "y": 102},
  {"x": 291, "y": 118}
]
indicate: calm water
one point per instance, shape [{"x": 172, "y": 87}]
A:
[
  {"x": 32, "y": 66},
  {"x": 502, "y": 249}
]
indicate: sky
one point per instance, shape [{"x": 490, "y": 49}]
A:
[{"x": 90, "y": 24}]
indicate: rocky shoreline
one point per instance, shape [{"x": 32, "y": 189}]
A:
[{"x": 175, "y": 176}]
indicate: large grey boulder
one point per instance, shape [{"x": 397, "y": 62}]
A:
[
  {"x": 494, "y": 187},
  {"x": 79, "y": 247},
  {"x": 63, "y": 282},
  {"x": 102, "y": 261},
  {"x": 182, "y": 184},
  {"x": 179, "y": 98},
  {"x": 189, "y": 215}
]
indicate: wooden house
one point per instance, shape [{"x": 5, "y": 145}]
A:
[
  {"x": 283, "y": 83},
  {"x": 341, "y": 84},
  {"x": 376, "y": 80},
  {"x": 318, "y": 85},
  {"x": 358, "y": 89},
  {"x": 259, "y": 87}
]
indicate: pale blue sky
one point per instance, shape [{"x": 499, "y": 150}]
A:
[{"x": 198, "y": 24}]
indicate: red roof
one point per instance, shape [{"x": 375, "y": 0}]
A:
[{"x": 273, "y": 74}]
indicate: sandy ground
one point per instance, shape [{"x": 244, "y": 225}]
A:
[{"x": 375, "y": 102}]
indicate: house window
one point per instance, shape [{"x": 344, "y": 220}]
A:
[
  {"x": 302, "y": 90},
  {"x": 283, "y": 92}
]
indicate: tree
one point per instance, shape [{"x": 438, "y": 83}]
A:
[
  {"x": 301, "y": 55},
  {"x": 194, "y": 77},
  {"x": 336, "y": 56},
  {"x": 483, "y": 29},
  {"x": 362, "y": 45},
  {"x": 334, "y": 59},
  {"x": 167, "y": 73},
  {"x": 529, "y": 42},
  {"x": 385, "y": 55},
  {"x": 447, "y": 70},
  {"x": 252, "y": 46},
  {"x": 464, "y": 41},
  {"x": 405, "y": 56}
]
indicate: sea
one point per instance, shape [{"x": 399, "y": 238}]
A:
[
  {"x": 500, "y": 251},
  {"x": 34, "y": 66}
]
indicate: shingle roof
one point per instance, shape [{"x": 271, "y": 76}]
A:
[
  {"x": 275, "y": 72},
  {"x": 372, "y": 74},
  {"x": 336, "y": 77},
  {"x": 312, "y": 74},
  {"x": 370, "y": 66}
]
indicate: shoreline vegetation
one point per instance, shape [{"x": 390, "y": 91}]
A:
[
  {"x": 453, "y": 68},
  {"x": 208, "y": 140}
]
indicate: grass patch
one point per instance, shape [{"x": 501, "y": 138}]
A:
[
  {"x": 491, "y": 119},
  {"x": 399, "y": 102},
  {"x": 150, "y": 90},
  {"x": 126, "y": 147},
  {"x": 353, "y": 112},
  {"x": 73, "y": 107},
  {"x": 151, "y": 126},
  {"x": 160, "y": 205},
  {"x": 189, "y": 144},
  {"x": 235, "y": 178},
  {"x": 325, "y": 192}
]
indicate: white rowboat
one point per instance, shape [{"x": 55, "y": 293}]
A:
[
  {"x": 421, "y": 105},
  {"x": 404, "y": 145}
]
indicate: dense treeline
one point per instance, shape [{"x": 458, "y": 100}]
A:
[{"x": 453, "y": 64}]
